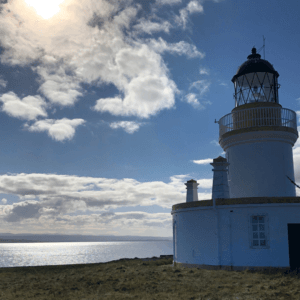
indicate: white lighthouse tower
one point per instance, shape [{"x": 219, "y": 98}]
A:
[
  {"x": 258, "y": 134},
  {"x": 253, "y": 218}
]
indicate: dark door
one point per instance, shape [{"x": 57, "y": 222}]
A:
[{"x": 294, "y": 246}]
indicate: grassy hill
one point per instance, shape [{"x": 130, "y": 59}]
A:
[{"x": 140, "y": 279}]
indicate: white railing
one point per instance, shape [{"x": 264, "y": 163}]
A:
[{"x": 258, "y": 116}]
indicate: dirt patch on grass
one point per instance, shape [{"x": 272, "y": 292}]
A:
[{"x": 140, "y": 279}]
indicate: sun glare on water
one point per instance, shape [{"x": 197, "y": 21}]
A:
[{"x": 45, "y": 8}]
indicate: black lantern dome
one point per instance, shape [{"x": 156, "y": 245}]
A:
[{"x": 255, "y": 81}]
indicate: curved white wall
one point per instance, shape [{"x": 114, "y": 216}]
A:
[
  {"x": 221, "y": 237},
  {"x": 259, "y": 163}
]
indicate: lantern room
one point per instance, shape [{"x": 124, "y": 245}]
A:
[{"x": 255, "y": 81}]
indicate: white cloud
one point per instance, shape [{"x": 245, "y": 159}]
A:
[
  {"x": 128, "y": 126},
  {"x": 204, "y": 71},
  {"x": 62, "y": 192},
  {"x": 92, "y": 42},
  {"x": 58, "y": 130},
  {"x": 224, "y": 84},
  {"x": 29, "y": 108},
  {"x": 4, "y": 201},
  {"x": 203, "y": 161},
  {"x": 91, "y": 199},
  {"x": 147, "y": 26},
  {"x": 59, "y": 88},
  {"x": 170, "y": 2},
  {"x": 192, "y": 7},
  {"x": 180, "y": 48},
  {"x": 144, "y": 96},
  {"x": 3, "y": 83},
  {"x": 201, "y": 85},
  {"x": 216, "y": 143},
  {"x": 192, "y": 99},
  {"x": 71, "y": 52},
  {"x": 205, "y": 184}
]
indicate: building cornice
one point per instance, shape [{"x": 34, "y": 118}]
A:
[
  {"x": 260, "y": 134},
  {"x": 237, "y": 201},
  {"x": 256, "y": 104}
]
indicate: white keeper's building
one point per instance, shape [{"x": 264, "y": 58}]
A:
[{"x": 253, "y": 218}]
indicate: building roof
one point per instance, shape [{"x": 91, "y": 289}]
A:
[{"x": 254, "y": 64}]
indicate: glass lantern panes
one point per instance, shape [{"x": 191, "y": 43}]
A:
[
  {"x": 258, "y": 231},
  {"x": 256, "y": 87}
]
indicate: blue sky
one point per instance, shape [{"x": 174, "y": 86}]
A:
[{"x": 108, "y": 107}]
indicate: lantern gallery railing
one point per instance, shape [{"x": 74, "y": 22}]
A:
[{"x": 258, "y": 116}]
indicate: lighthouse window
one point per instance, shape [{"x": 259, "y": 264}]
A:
[{"x": 258, "y": 234}]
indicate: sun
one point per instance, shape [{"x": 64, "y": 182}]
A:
[{"x": 45, "y": 8}]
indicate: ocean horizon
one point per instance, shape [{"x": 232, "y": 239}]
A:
[{"x": 65, "y": 253}]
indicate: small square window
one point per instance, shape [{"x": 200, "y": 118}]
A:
[
  {"x": 263, "y": 242},
  {"x": 254, "y": 220},
  {"x": 261, "y": 227},
  {"x": 255, "y": 235},
  {"x": 261, "y": 219},
  {"x": 255, "y": 242},
  {"x": 254, "y": 227},
  {"x": 261, "y": 235}
]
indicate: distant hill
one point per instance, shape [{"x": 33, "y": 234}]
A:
[{"x": 33, "y": 238}]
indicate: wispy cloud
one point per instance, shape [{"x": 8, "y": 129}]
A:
[
  {"x": 215, "y": 143},
  {"x": 147, "y": 26},
  {"x": 224, "y": 84},
  {"x": 3, "y": 82},
  {"x": 128, "y": 126},
  {"x": 180, "y": 48},
  {"x": 204, "y": 71},
  {"x": 170, "y": 2},
  {"x": 203, "y": 161},
  {"x": 201, "y": 85},
  {"x": 192, "y": 7},
  {"x": 191, "y": 98}
]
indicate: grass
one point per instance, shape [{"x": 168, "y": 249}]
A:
[{"x": 137, "y": 279}]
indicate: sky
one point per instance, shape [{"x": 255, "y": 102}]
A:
[{"x": 109, "y": 107}]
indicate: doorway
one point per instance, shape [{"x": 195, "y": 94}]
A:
[{"x": 294, "y": 246}]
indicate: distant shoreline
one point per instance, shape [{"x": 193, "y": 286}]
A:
[
  {"x": 5, "y": 241},
  {"x": 11, "y": 241}
]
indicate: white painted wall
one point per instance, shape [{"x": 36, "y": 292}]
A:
[
  {"x": 197, "y": 235},
  {"x": 259, "y": 163}
]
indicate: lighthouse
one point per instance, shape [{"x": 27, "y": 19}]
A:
[
  {"x": 253, "y": 218},
  {"x": 258, "y": 135}
]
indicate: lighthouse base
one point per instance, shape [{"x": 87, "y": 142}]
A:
[{"x": 237, "y": 234}]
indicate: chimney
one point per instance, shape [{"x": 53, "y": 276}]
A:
[
  {"x": 220, "y": 181},
  {"x": 191, "y": 193}
]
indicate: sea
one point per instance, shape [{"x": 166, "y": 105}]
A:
[{"x": 45, "y": 254}]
